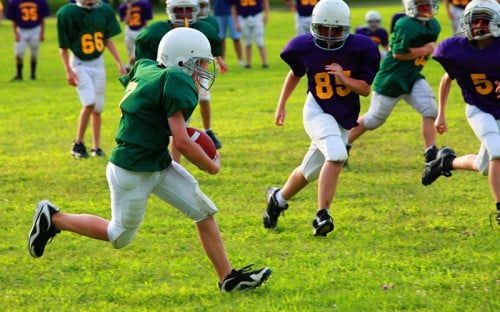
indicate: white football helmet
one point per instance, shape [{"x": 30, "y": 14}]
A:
[
  {"x": 373, "y": 20},
  {"x": 330, "y": 24},
  {"x": 204, "y": 8},
  {"x": 486, "y": 10},
  {"x": 189, "y": 50},
  {"x": 88, "y": 4},
  {"x": 180, "y": 11},
  {"x": 423, "y": 10}
]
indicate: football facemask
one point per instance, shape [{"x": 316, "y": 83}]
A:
[
  {"x": 88, "y": 4},
  {"x": 481, "y": 20},
  {"x": 183, "y": 12},
  {"x": 330, "y": 25},
  {"x": 423, "y": 10}
]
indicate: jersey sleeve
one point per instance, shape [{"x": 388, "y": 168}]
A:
[
  {"x": 292, "y": 56},
  {"x": 179, "y": 94},
  {"x": 440, "y": 55},
  {"x": 62, "y": 26},
  {"x": 401, "y": 37}
]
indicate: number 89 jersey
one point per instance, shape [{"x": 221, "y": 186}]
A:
[
  {"x": 85, "y": 31},
  {"x": 359, "y": 58}
]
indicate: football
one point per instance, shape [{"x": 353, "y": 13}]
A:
[{"x": 203, "y": 140}]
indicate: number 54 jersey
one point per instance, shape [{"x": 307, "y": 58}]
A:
[
  {"x": 359, "y": 59},
  {"x": 85, "y": 31}
]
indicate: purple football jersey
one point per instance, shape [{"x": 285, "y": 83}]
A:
[
  {"x": 27, "y": 13},
  {"x": 475, "y": 71},
  {"x": 141, "y": 12},
  {"x": 248, "y": 8},
  {"x": 379, "y": 36},
  {"x": 305, "y": 8},
  {"x": 359, "y": 58}
]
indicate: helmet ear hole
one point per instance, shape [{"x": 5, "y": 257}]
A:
[{"x": 180, "y": 63}]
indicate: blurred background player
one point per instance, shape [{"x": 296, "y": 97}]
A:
[
  {"x": 135, "y": 14},
  {"x": 159, "y": 97},
  {"x": 373, "y": 29},
  {"x": 339, "y": 67},
  {"x": 400, "y": 78},
  {"x": 303, "y": 10},
  {"x": 181, "y": 13},
  {"x": 222, "y": 12},
  {"x": 92, "y": 23},
  {"x": 250, "y": 18},
  {"x": 455, "y": 11},
  {"x": 28, "y": 21},
  {"x": 473, "y": 61}
]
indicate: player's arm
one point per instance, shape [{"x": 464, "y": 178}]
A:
[
  {"x": 447, "y": 5},
  {"x": 234, "y": 14},
  {"x": 128, "y": 11},
  {"x": 265, "y": 4},
  {"x": 444, "y": 90},
  {"x": 414, "y": 53},
  {"x": 16, "y": 34},
  {"x": 189, "y": 149},
  {"x": 71, "y": 76},
  {"x": 291, "y": 82},
  {"x": 291, "y": 5},
  {"x": 42, "y": 30},
  {"x": 112, "y": 49}
]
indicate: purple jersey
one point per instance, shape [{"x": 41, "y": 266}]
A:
[
  {"x": 305, "y": 7},
  {"x": 475, "y": 71},
  {"x": 248, "y": 8},
  {"x": 141, "y": 12},
  {"x": 27, "y": 13},
  {"x": 359, "y": 58},
  {"x": 379, "y": 36}
]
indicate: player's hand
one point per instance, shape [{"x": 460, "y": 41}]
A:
[
  {"x": 72, "y": 78},
  {"x": 497, "y": 88},
  {"x": 440, "y": 124},
  {"x": 122, "y": 70},
  {"x": 216, "y": 161},
  {"x": 18, "y": 37},
  {"x": 429, "y": 47},
  {"x": 238, "y": 27},
  {"x": 222, "y": 65},
  {"x": 279, "y": 117},
  {"x": 336, "y": 70}
]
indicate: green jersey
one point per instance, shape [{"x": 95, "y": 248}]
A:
[
  {"x": 85, "y": 31},
  {"x": 152, "y": 95},
  {"x": 146, "y": 43},
  {"x": 397, "y": 77},
  {"x": 210, "y": 19}
]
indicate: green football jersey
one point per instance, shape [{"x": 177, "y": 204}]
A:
[
  {"x": 152, "y": 95},
  {"x": 146, "y": 43},
  {"x": 85, "y": 31},
  {"x": 210, "y": 19},
  {"x": 397, "y": 77}
]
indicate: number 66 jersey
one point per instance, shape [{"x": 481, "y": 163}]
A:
[
  {"x": 359, "y": 59},
  {"x": 84, "y": 31}
]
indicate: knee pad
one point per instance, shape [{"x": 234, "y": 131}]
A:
[
  {"x": 430, "y": 111},
  {"x": 372, "y": 121},
  {"x": 120, "y": 238},
  {"x": 492, "y": 144}
]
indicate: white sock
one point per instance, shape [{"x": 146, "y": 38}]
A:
[{"x": 281, "y": 201}]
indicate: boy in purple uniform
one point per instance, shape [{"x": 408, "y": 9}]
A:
[
  {"x": 28, "y": 21},
  {"x": 250, "y": 18},
  {"x": 373, "y": 29},
  {"x": 303, "y": 11},
  {"x": 135, "y": 14},
  {"x": 473, "y": 62},
  {"x": 339, "y": 67}
]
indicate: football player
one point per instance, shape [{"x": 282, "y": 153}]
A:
[
  {"x": 85, "y": 29},
  {"x": 222, "y": 12},
  {"x": 182, "y": 13},
  {"x": 400, "y": 78},
  {"x": 473, "y": 62},
  {"x": 340, "y": 68},
  {"x": 135, "y": 14},
  {"x": 373, "y": 29},
  {"x": 159, "y": 98},
  {"x": 303, "y": 12},
  {"x": 250, "y": 19},
  {"x": 28, "y": 21}
]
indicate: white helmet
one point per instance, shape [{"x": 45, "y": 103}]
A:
[
  {"x": 204, "y": 8},
  {"x": 331, "y": 23},
  {"x": 187, "y": 10},
  {"x": 189, "y": 50},
  {"x": 373, "y": 19},
  {"x": 488, "y": 11},
  {"x": 91, "y": 5},
  {"x": 423, "y": 10}
]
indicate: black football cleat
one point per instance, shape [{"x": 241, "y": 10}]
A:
[
  {"x": 42, "y": 230},
  {"x": 244, "y": 279},
  {"x": 441, "y": 166},
  {"x": 273, "y": 210},
  {"x": 322, "y": 223}
]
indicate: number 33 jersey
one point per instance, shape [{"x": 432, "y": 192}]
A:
[
  {"x": 359, "y": 59},
  {"x": 85, "y": 31},
  {"x": 475, "y": 71}
]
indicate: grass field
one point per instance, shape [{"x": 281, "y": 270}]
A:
[{"x": 397, "y": 246}]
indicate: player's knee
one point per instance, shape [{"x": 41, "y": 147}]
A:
[
  {"x": 336, "y": 151},
  {"x": 311, "y": 173},
  {"x": 492, "y": 143},
  {"x": 123, "y": 238},
  {"x": 372, "y": 121},
  {"x": 430, "y": 111}
]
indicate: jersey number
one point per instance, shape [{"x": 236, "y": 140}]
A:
[
  {"x": 324, "y": 88},
  {"x": 246, "y": 3},
  {"x": 135, "y": 19},
  {"x": 482, "y": 84},
  {"x": 29, "y": 13},
  {"x": 420, "y": 61},
  {"x": 91, "y": 43},
  {"x": 308, "y": 2}
]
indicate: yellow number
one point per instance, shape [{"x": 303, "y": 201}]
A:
[
  {"x": 91, "y": 43},
  {"x": 131, "y": 86},
  {"x": 482, "y": 84},
  {"x": 460, "y": 2},
  {"x": 29, "y": 13},
  {"x": 324, "y": 89},
  {"x": 420, "y": 61},
  {"x": 308, "y": 2},
  {"x": 246, "y": 3},
  {"x": 135, "y": 19}
]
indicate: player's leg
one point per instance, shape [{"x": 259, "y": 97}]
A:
[
  {"x": 223, "y": 25},
  {"x": 206, "y": 113},
  {"x": 259, "y": 33},
  {"x": 20, "y": 48},
  {"x": 34, "y": 43},
  {"x": 235, "y": 36},
  {"x": 246, "y": 34},
  {"x": 99, "y": 84}
]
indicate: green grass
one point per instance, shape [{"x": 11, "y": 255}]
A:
[{"x": 397, "y": 246}]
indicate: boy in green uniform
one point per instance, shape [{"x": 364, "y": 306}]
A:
[
  {"x": 85, "y": 29},
  {"x": 183, "y": 13},
  {"x": 159, "y": 98},
  {"x": 399, "y": 77}
]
